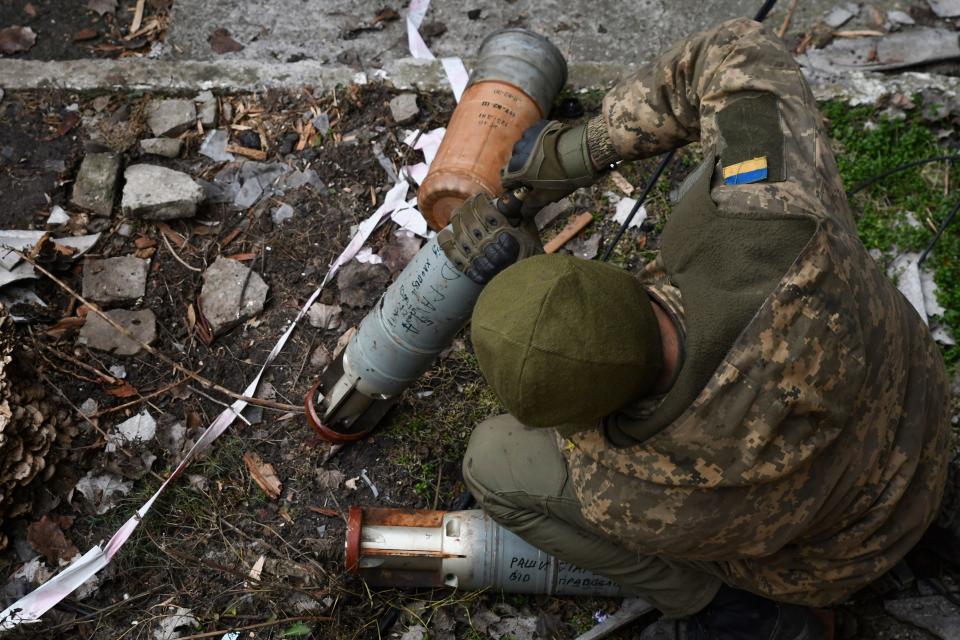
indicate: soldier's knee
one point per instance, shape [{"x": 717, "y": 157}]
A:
[{"x": 484, "y": 463}]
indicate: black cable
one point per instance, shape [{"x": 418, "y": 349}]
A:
[
  {"x": 667, "y": 157},
  {"x": 903, "y": 167},
  {"x": 943, "y": 227}
]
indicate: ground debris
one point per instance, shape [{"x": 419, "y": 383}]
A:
[
  {"x": 222, "y": 42},
  {"x": 113, "y": 280},
  {"x": 156, "y": 193},
  {"x": 934, "y": 613},
  {"x": 325, "y": 316},
  {"x": 95, "y": 187},
  {"x": 102, "y": 491},
  {"x": 98, "y": 334},
  {"x": 16, "y": 39},
  {"x": 231, "y": 293},
  {"x": 169, "y": 627},
  {"x": 48, "y": 538},
  {"x": 171, "y": 117},
  {"x": 263, "y": 474}
]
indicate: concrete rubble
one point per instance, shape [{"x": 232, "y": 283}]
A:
[
  {"x": 171, "y": 117},
  {"x": 95, "y": 187},
  {"x": 231, "y": 293},
  {"x": 157, "y": 193},
  {"x": 113, "y": 280},
  {"x": 933, "y": 613},
  {"x": 98, "y": 334},
  {"x": 404, "y": 108},
  {"x": 164, "y": 147},
  {"x": 209, "y": 108}
]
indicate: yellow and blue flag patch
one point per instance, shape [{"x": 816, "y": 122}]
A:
[{"x": 746, "y": 172}]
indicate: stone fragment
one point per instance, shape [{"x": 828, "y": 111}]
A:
[
  {"x": 321, "y": 124},
  {"x": 935, "y": 614},
  {"x": 111, "y": 280},
  {"x": 98, "y": 334},
  {"x": 215, "y": 146},
  {"x": 208, "y": 109},
  {"x": 282, "y": 213},
  {"x": 158, "y": 193},
  {"x": 945, "y": 8},
  {"x": 553, "y": 211},
  {"x": 404, "y": 108},
  {"x": 58, "y": 216},
  {"x": 96, "y": 183},
  {"x": 839, "y": 16},
  {"x": 171, "y": 117},
  {"x": 231, "y": 293},
  {"x": 165, "y": 147}
]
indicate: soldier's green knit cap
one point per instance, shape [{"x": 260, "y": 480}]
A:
[{"x": 564, "y": 341}]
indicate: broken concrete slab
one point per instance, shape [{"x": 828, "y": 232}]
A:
[
  {"x": 96, "y": 183},
  {"x": 936, "y": 614},
  {"x": 209, "y": 107},
  {"x": 404, "y": 108},
  {"x": 893, "y": 51},
  {"x": 839, "y": 16},
  {"x": 945, "y": 8},
  {"x": 112, "y": 280},
  {"x": 164, "y": 147},
  {"x": 231, "y": 293},
  {"x": 158, "y": 193},
  {"x": 98, "y": 334},
  {"x": 215, "y": 146},
  {"x": 171, "y": 117}
]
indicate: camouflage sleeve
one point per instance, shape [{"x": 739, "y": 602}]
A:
[{"x": 680, "y": 97}]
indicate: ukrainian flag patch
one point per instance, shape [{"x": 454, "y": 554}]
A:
[{"x": 746, "y": 172}]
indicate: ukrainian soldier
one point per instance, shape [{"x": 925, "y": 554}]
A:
[{"x": 756, "y": 425}]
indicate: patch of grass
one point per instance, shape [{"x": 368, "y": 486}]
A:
[{"x": 868, "y": 143}]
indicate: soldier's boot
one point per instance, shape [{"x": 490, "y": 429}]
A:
[{"x": 738, "y": 615}]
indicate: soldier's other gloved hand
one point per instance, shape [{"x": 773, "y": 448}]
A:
[
  {"x": 553, "y": 160},
  {"x": 482, "y": 242}
]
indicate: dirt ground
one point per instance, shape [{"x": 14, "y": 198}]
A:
[
  {"x": 196, "y": 549},
  {"x": 71, "y": 30}
]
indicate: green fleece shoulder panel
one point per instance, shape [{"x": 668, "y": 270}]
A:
[
  {"x": 725, "y": 265},
  {"x": 751, "y": 127}
]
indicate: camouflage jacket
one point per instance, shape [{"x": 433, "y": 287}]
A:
[{"x": 815, "y": 456}]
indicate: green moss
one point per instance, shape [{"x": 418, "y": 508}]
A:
[{"x": 868, "y": 143}]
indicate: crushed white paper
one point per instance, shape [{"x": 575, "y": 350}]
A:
[
  {"x": 367, "y": 256},
  {"x": 624, "y": 207}
]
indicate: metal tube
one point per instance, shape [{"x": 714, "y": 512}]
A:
[{"x": 465, "y": 550}]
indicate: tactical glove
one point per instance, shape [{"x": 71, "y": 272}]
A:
[
  {"x": 553, "y": 160},
  {"x": 482, "y": 242}
]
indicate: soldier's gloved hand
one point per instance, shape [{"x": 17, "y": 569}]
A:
[
  {"x": 482, "y": 242},
  {"x": 553, "y": 160}
]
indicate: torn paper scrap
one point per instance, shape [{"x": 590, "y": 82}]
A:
[
  {"x": 624, "y": 207},
  {"x": 367, "y": 256},
  {"x": 417, "y": 172},
  {"x": 428, "y": 142},
  {"x": 410, "y": 219}
]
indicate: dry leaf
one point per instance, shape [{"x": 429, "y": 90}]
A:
[
  {"x": 386, "y": 15},
  {"x": 46, "y": 537},
  {"x": 64, "y": 327},
  {"x": 330, "y": 513},
  {"x": 123, "y": 390},
  {"x": 242, "y": 257},
  {"x": 222, "y": 42},
  {"x": 143, "y": 242},
  {"x": 144, "y": 254},
  {"x": 263, "y": 474},
  {"x": 172, "y": 235},
  {"x": 85, "y": 34},
  {"x": 30, "y": 10},
  {"x": 191, "y": 317},
  {"x": 17, "y": 39},
  {"x": 102, "y": 6}
]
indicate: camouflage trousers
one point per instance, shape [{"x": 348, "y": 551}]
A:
[{"x": 520, "y": 478}]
